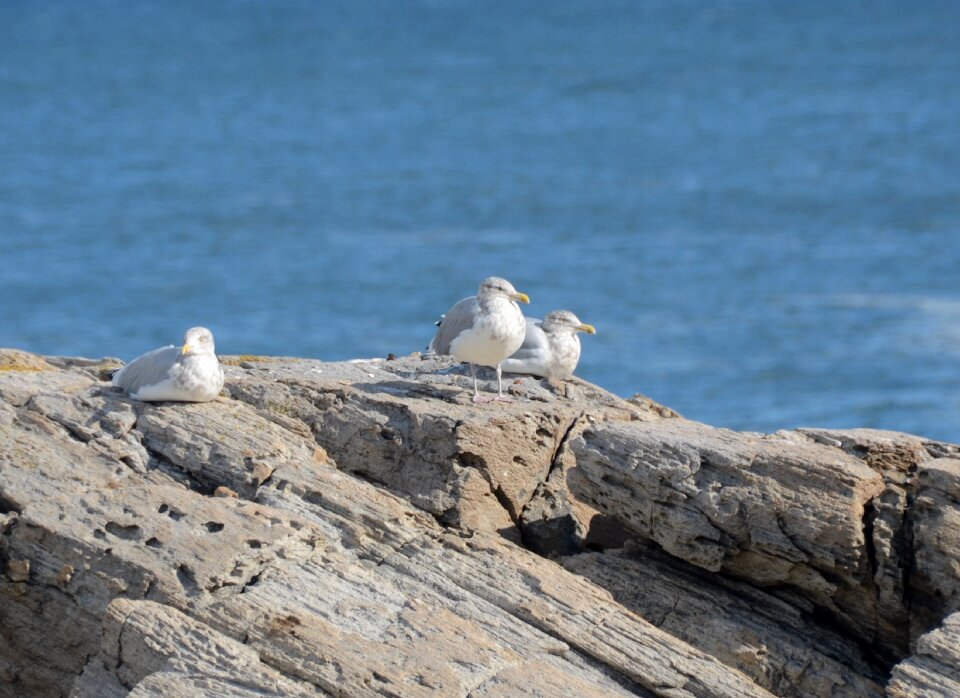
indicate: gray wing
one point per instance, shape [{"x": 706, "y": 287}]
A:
[
  {"x": 147, "y": 369},
  {"x": 533, "y": 355},
  {"x": 458, "y": 318}
]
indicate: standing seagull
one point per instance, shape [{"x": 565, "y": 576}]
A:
[
  {"x": 191, "y": 373},
  {"x": 551, "y": 347},
  {"x": 483, "y": 329}
]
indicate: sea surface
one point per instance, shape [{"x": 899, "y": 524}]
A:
[{"x": 757, "y": 203}]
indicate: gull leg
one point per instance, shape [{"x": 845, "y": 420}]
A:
[
  {"x": 500, "y": 396},
  {"x": 476, "y": 392}
]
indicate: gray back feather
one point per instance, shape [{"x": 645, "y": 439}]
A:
[
  {"x": 534, "y": 341},
  {"x": 146, "y": 369}
]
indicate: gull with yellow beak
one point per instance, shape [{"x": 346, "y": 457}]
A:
[
  {"x": 483, "y": 330},
  {"x": 191, "y": 373},
  {"x": 551, "y": 347}
]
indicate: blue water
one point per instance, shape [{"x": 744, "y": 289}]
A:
[{"x": 756, "y": 203}]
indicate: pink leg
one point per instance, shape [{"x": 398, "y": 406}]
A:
[
  {"x": 476, "y": 393},
  {"x": 500, "y": 396}
]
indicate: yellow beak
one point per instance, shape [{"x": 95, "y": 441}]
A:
[
  {"x": 186, "y": 349},
  {"x": 589, "y": 329},
  {"x": 522, "y": 297}
]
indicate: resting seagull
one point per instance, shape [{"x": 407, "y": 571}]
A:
[
  {"x": 551, "y": 347},
  {"x": 191, "y": 373},
  {"x": 483, "y": 329}
]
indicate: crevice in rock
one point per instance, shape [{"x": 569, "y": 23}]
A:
[
  {"x": 448, "y": 518},
  {"x": 478, "y": 463},
  {"x": 561, "y": 444},
  {"x": 794, "y": 540},
  {"x": 472, "y": 460},
  {"x": 827, "y": 619},
  {"x": 502, "y": 500},
  {"x": 187, "y": 580},
  {"x": 73, "y": 431},
  {"x": 131, "y": 532},
  {"x": 116, "y": 669},
  {"x": 6, "y": 531},
  {"x": 550, "y": 536},
  {"x": 907, "y": 551},
  {"x": 7, "y": 505},
  {"x": 868, "y": 520}
]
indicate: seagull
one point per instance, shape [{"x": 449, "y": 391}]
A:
[
  {"x": 483, "y": 329},
  {"x": 551, "y": 347},
  {"x": 191, "y": 373}
]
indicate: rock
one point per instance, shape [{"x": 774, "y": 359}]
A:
[
  {"x": 15, "y": 360},
  {"x": 770, "y": 640},
  {"x": 935, "y": 519},
  {"x": 362, "y": 528},
  {"x": 913, "y": 526},
  {"x": 934, "y": 671},
  {"x": 771, "y": 510},
  {"x": 24, "y": 375},
  {"x": 827, "y": 515},
  {"x": 162, "y": 652},
  {"x": 18, "y": 570},
  {"x": 472, "y": 467}
]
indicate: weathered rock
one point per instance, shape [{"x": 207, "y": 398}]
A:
[
  {"x": 935, "y": 518},
  {"x": 353, "y": 529},
  {"x": 162, "y": 652},
  {"x": 333, "y": 584},
  {"x": 410, "y": 424},
  {"x": 913, "y": 525},
  {"x": 770, "y": 640},
  {"x": 772, "y": 510},
  {"x": 20, "y": 361},
  {"x": 828, "y": 515},
  {"x": 934, "y": 671}
]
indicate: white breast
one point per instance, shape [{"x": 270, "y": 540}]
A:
[{"x": 497, "y": 332}]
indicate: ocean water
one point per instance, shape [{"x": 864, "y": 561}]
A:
[{"x": 757, "y": 203}]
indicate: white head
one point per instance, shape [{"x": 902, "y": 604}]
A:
[
  {"x": 565, "y": 321},
  {"x": 495, "y": 286},
  {"x": 197, "y": 340}
]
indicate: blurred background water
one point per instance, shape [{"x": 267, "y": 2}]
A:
[{"x": 757, "y": 203}]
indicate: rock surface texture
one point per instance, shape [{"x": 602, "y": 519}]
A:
[{"x": 362, "y": 528}]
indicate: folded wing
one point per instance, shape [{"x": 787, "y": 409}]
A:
[{"x": 148, "y": 369}]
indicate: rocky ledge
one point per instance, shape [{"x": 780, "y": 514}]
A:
[{"x": 362, "y": 528}]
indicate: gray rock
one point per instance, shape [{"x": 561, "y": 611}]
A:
[
  {"x": 770, "y": 640},
  {"x": 358, "y": 528},
  {"x": 828, "y": 516},
  {"x": 934, "y": 671}
]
